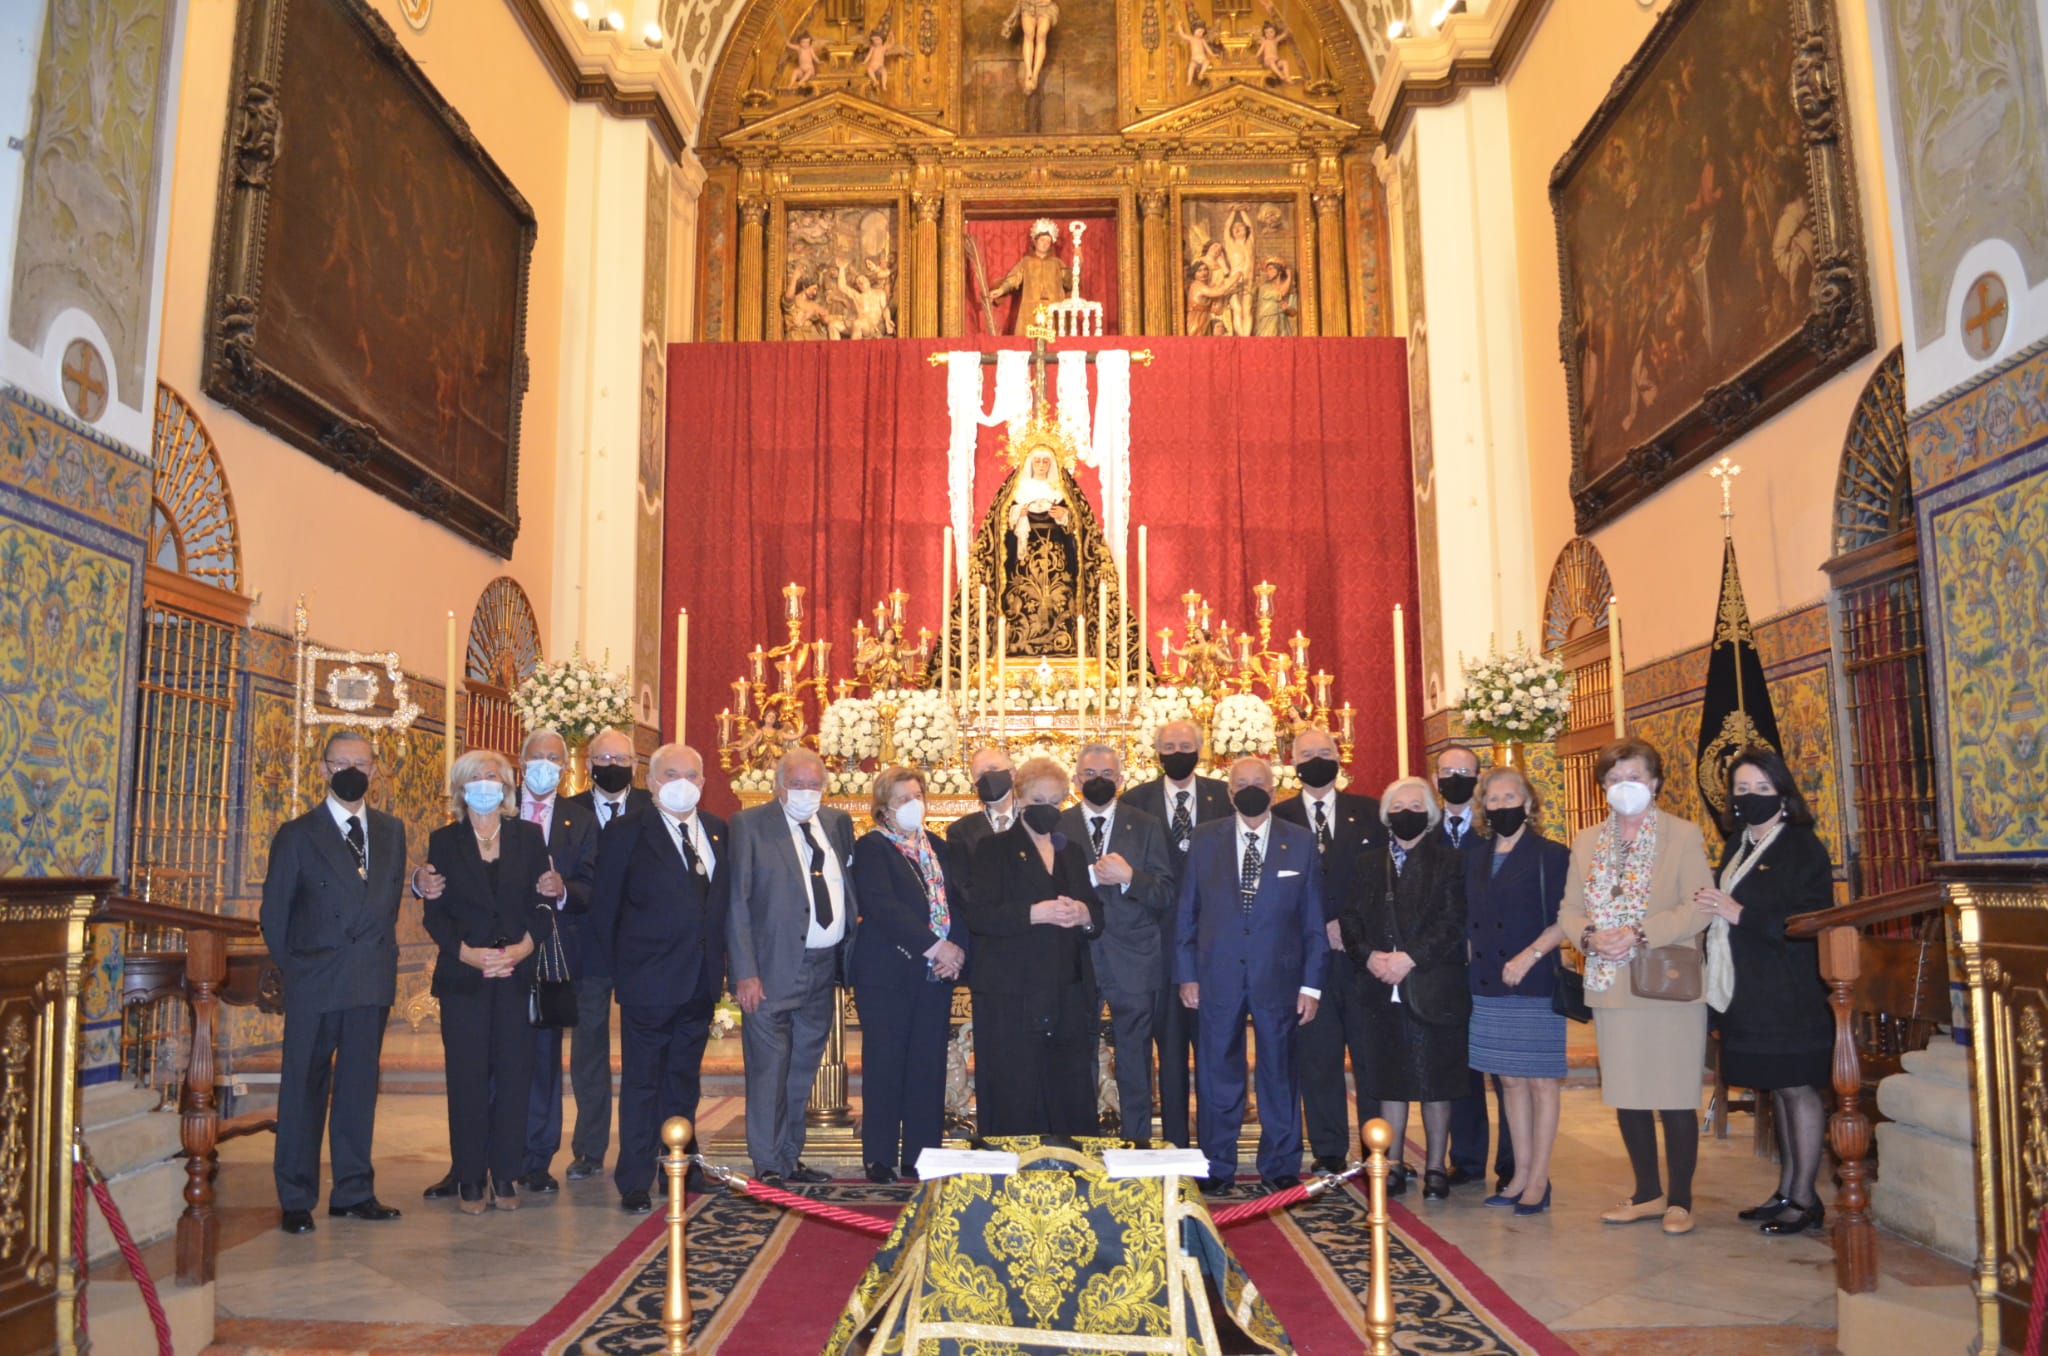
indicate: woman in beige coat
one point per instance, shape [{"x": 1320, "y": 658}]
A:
[{"x": 1631, "y": 887}]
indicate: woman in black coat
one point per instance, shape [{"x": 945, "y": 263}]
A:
[
  {"x": 1405, "y": 930},
  {"x": 905, "y": 963},
  {"x": 1031, "y": 913},
  {"x": 489, "y": 920},
  {"x": 1777, "y": 1031}
]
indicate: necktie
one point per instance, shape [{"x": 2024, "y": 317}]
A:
[
  {"x": 821, "y": 892},
  {"x": 1248, "y": 877},
  {"x": 1322, "y": 828},
  {"x": 1001, "y": 821},
  {"x": 607, "y": 810},
  {"x": 360, "y": 845},
  {"x": 1457, "y": 823},
  {"x": 537, "y": 813},
  {"x": 1181, "y": 825},
  {"x": 1095, "y": 823}
]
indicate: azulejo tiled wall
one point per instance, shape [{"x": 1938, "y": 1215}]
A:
[
  {"x": 73, "y": 512},
  {"x": 1980, "y": 480}
]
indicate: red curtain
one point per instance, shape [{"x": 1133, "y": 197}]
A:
[
  {"x": 1251, "y": 459},
  {"x": 1003, "y": 240}
]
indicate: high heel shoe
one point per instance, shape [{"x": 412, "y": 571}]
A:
[
  {"x": 1768, "y": 1210},
  {"x": 504, "y": 1196},
  {"x": 1539, "y": 1207},
  {"x": 471, "y": 1199},
  {"x": 1436, "y": 1185},
  {"x": 1802, "y": 1219}
]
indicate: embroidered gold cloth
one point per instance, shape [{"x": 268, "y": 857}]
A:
[{"x": 1055, "y": 1257}]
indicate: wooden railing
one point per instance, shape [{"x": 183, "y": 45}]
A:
[
  {"x": 208, "y": 972},
  {"x": 1897, "y": 986}
]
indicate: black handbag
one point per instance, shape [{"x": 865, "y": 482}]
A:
[
  {"x": 1568, "y": 982},
  {"x": 551, "y": 1005},
  {"x": 1435, "y": 995}
]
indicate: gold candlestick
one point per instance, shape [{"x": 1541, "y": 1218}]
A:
[
  {"x": 1144, "y": 608},
  {"x": 1300, "y": 647},
  {"x": 1193, "y": 601},
  {"x": 793, "y": 602},
  {"x": 981, "y": 652},
  {"x": 1614, "y": 674},
  {"x": 1322, "y": 682},
  {"x": 724, "y": 727},
  {"x": 758, "y": 657},
  {"x": 1264, "y": 593},
  {"x": 1347, "y": 717},
  {"x": 1081, "y": 662},
  {"x": 897, "y": 599}
]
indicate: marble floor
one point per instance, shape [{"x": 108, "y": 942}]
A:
[{"x": 442, "y": 1281}]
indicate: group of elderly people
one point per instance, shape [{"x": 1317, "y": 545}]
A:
[{"x": 1449, "y": 912}]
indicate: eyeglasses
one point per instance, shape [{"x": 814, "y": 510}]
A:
[
  {"x": 359, "y": 764},
  {"x": 610, "y": 760}
]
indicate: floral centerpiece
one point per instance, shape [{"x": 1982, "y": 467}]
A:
[
  {"x": 850, "y": 732},
  {"x": 576, "y": 698},
  {"x": 1243, "y": 724},
  {"x": 926, "y": 733},
  {"x": 1518, "y": 697}
]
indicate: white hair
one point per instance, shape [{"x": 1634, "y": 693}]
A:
[
  {"x": 1097, "y": 746},
  {"x": 1400, "y": 784},
  {"x": 544, "y": 732}
]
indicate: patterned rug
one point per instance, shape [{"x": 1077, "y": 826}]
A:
[{"x": 767, "y": 1283}]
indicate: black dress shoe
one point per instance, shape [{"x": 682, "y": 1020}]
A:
[
  {"x": 1797, "y": 1219},
  {"x": 906, "y": 1173},
  {"x": 1330, "y": 1164},
  {"x": 809, "y": 1176},
  {"x": 1459, "y": 1177},
  {"x": 580, "y": 1168},
  {"x": 1768, "y": 1210},
  {"x": 635, "y": 1202},
  {"x": 1436, "y": 1186},
  {"x": 881, "y": 1174},
  {"x": 443, "y": 1189},
  {"x": 773, "y": 1179},
  {"x": 541, "y": 1183},
  {"x": 1397, "y": 1180},
  {"x": 297, "y": 1222},
  {"x": 1283, "y": 1182},
  {"x": 368, "y": 1208},
  {"x": 1217, "y": 1186}
]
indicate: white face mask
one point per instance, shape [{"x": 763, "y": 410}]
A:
[
  {"x": 802, "y": 804},
  {"x": 1628, "y": 798},
  {"x": 910, "y": 816},
  {"x": 679, "y": 797}
]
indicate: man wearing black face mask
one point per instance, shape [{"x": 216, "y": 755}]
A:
[
  {"x": 1345, "y": 826},
  {"x": 989, "y": 769},
  {"x": 1181, "y": 801},
  {"x": 1132, "y": 871},
  {"x": 1457, "y": 777},
  {"x": 330, "y": 919}
]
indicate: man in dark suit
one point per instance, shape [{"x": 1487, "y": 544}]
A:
[
  {"x": 1457, "y": 777},
  {"x": 791, "y": 922},
  {"x": 330, "y": 919},
  {"x": 1181, "y": 801},
  {"x": 658, "y": 908},
  {"x": 1345, "y": 826},
  {"x": 1131, "y": 868},
  {"x": 991, "y": 770},
  {"x": 1250, "y": 944},
  {"x": 611, "y": 796}
]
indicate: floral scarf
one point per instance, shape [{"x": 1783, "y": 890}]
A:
[
  {"x": 917, "y": 847},
  {"x": 1618, "y": 890}
]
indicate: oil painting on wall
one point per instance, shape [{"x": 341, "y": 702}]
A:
[
  {"x": 1706, "y": 232},
  {"x": 1240, "y": 267},
  {"x": 839, "y": 273}
]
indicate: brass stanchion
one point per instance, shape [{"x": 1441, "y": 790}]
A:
[
  {"x": 828, "y": 1106},
  {"x": 1379, "y": 1308},
  {"x": 675, "y": 1305}
]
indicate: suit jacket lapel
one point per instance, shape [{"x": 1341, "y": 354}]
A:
[{"x": 335, "y": 848}]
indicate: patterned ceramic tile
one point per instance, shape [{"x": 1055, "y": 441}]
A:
[
  {"x": 2000, "y": 413},
  {"x": 45, "y": 455}
]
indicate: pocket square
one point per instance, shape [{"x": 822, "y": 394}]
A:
[{"x": 1285, "y": 874}]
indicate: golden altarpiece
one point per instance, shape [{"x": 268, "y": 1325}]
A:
[{"x": 853, "y": 144}]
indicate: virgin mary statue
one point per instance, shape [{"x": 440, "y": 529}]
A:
[{"x": 1042, "y": 556}]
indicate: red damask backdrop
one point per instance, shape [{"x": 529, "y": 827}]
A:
[{"x": 1251, "y": 459}]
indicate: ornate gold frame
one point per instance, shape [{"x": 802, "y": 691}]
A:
[{"x": 1305, "y": 259}]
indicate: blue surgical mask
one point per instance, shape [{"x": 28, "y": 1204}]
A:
[
  {"x": 483, "y": 797},
  {"x": 542, "y": 776}
]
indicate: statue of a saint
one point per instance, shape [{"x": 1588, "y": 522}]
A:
[{"x": 1040, "y": 278}]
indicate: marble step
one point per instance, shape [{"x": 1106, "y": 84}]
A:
[
  {"x": 1927, "y": 1320},
  {"x": 1943, "y": 1061},
  {"x": 1925, "y": 1190},
  {"x": 150, "y": 1200},
  {"x": 124, "y": 1129},
  {"x": 1931, "y": 1104},
  {"x": 119, "y": 1321}
]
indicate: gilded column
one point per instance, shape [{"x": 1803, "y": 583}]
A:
[
  {"x": 753, "y": 246},
  {"x": 1157, "y": 260},
  {"x": 1330, "y": 276},
  {"x": 930, "y": 279}
]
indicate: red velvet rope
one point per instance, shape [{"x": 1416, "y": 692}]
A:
[
  {"x": 129, "y": 1253},
  {"x": 1260, "y": 1205},
  {"x": 2037, "y": 1310},
  {"x": 879, "y": 1228}
]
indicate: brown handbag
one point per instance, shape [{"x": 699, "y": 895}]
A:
[{"x": 1671, "y": 974}]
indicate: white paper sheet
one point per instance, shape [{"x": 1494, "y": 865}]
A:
[
  {"x": 1155, "y": 1163},
  {"x": 937, "y": 1162}
]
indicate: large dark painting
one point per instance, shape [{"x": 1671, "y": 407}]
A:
[
  {"x": 368, "y": 294},
  {"x": 1712, "y": 267}
]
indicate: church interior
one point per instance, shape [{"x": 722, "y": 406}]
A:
[{"x": 871, "y": 382}]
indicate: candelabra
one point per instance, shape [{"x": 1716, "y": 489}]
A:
[
  {"x": 881, "y": 660},
  {"x": 1212, "y": 660}
]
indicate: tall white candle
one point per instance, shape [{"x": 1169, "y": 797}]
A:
[
  {"x": 682, "y": 672},
  {"x": 981, "y": 652},
  {"x": 1144, "y": 609},
  {"x": 1614, "y": 666},
  {"x": 946, "y": 614},
  {"x": 1400, "y": 695},
  {"x": 448, "y": 709}
]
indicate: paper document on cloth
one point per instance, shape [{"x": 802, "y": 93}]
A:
[
  {"x": 1155, "y": 1163},
  {"x": 937, "y": 1162}
]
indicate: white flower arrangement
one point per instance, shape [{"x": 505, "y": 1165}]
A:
[
  {"x": 1516, "y": 696},
  {"x": 576, "y": 698},
  {"x": 948, "y": 781},
  {"x": 850, "y": 732},
  {"x": 1166, "y": 703},
  {"x": 754, "y": 779},
  {"x": 926, "y": 732},
  {"x": 1243, "y": 724},
  {"x": 725, "y": 1018}
]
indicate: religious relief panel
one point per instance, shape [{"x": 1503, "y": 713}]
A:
[
  {"x": 897, "y": 53},
  {"x": 839, "y": 273},
  {"x": 1241, "y": 261}
]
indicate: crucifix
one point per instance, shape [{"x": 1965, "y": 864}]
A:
[{"x": 1725, "y": 472}]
